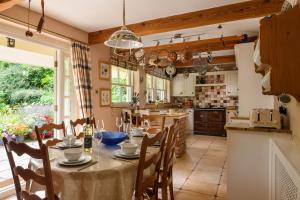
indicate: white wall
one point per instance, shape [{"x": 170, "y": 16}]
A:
[{"x": 249, "y": 82}]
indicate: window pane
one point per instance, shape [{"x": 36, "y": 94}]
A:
[
  {"x": 149, "y": 95},
  {"x": 121, "y": 85},
  {"x": 149, "y": 81},
  {"x": 159, "y": 83},
  {"x": 67, "y": 107},
  {"x": 115, "y": 93},
  {"x": 124, "y": 77},
  {"x": 160, "y": 95},
  {"x": 121, "y": 94},
  {"x": 114, "y": 74},
  {"x": 67, "y": 86},
  {"x": 67, "y": 66}
]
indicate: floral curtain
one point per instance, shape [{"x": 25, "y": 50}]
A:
[{"x": 80, "y": 54}]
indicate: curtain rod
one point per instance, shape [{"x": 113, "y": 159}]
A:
[{"x": 20, "y": 22}]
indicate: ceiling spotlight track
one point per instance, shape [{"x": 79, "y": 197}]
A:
[{"x": 185, "y": 38}]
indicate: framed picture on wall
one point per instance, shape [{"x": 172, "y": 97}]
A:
[
  {"x": 105, "y": 97},
  {"x": 104, "y": 71}
]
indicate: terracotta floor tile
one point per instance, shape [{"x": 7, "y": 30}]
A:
[
  {"x": 223, "y": 179},
  {"x": 187, "y": 195},
  {"x": 222, "y": 191},
  {"x": 212, "y": 162},
  {"x": 179, "y": 177},
  {"x": 221, "y": 198},
  {"x": 201, "y": 187},
  {"x": 206, "y": 176},
  {"x": 201, "y": 144}
]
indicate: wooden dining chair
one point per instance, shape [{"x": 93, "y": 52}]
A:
[
  {"x": 166, "y": 173},
  {"x": 146, "y": 186},
  {"x": 80, "y": 122},
  {"x": 27, "y": 174},
  {"x": 156, "y": 121},
  {"x": 49, "y": 127}
]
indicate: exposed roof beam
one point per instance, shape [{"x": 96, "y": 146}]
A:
[
  {"x": 216, "y": 60},
  {"x": 6, "y": 4},
  {"x": 214, "y": 44},
  {"x": 227, "y": 13}
]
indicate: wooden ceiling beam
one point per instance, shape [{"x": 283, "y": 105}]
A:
[
  {"x": 217, "y": 15},
  {"x": 6, "y": 4},
  {"x": 214, "y": 44},
  {"x": 216, "y": 60}
]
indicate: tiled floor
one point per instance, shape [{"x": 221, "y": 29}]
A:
[{"x": 201, "y": 173}]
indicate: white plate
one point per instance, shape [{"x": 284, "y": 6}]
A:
[
  {"x": 120, "y": 154},
  {"x": 63, "y": 145},
  {"x": 61, "y": 161},
  {"x": 74, "y": 161}
]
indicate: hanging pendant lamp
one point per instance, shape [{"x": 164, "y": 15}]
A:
[{"x": 124, "y": 38}]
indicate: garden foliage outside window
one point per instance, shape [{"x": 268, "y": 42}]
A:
[
  {"x": 122, "y": 85},
  {"x": 156, "y": 89}
]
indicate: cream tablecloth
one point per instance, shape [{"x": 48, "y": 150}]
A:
[{"x": 109, "y": 179}]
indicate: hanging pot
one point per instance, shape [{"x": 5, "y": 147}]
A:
[
  {"x": 187, "y": 56},
  {"x": 170, "y": 71},
  {"x": 172, "y": 56}
]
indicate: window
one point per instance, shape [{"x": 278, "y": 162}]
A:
[
  {"x": 122, "y": 85},
  {"x": 67, "y": 88},
  {"x": 156, "y": 89}
]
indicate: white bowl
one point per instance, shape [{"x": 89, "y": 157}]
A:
[
  {"x": 129, "y": 148},
  {"x": 69, "y": 140},
  {"x": 137, "y": 131},
  {"x": 72, "y": 154}
]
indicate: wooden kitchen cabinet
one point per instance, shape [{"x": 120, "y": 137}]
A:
[
  {"x": 183, "y": 86},
  {"x": 279, "y": 52},
  {"x": 231, "y": 83}
]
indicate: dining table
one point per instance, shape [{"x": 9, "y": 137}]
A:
[{"x": 108, "y": 177}]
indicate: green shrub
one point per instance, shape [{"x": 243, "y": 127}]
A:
[
  {"x": 47, "y": 98},
  {"x": 22, "y": 96},
  {"x": 16, "y": 80}
]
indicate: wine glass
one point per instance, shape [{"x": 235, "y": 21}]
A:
[
  {"x": 102, "y": 122},
  {"x": 98, "y": 139},
  {"x": 119, "y": 123}
]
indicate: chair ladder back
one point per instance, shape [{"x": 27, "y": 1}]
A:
[
  {"x": 146, "y": 161},
  {"x": 49, "y": 127},
  {"x": 28, "y": 174},
  {"x": 166, "y": 175},
  {"x": 161, "y": 119},
  {"x": 81, "y": 122},
  {"x": 170, "y": 146}
]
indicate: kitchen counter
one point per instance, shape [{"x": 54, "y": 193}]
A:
[
  {"x": 211, "y": 109},
  {"x": 167, "y": 115},
  {"x": 244, "y": 126}
]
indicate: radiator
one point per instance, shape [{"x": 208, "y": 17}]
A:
[{"x": 285, "y": 181}]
